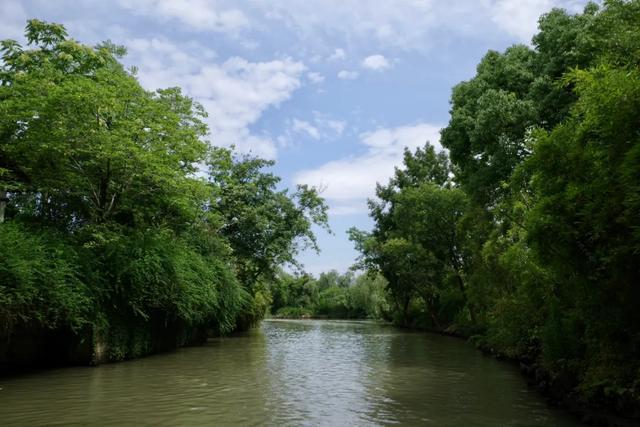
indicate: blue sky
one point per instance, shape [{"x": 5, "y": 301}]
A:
[{"x": 333, "y": 90}]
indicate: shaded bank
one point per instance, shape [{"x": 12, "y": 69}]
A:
[
  {"x": 31, "y": 346},
  {"x": 558, "y": 390}
]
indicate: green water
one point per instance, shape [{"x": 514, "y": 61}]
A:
[{"x": 332, "y": 373}]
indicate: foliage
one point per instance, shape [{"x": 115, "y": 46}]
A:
[
  {"x": 40, "y": 279},
  {"x": 536, "y": 218},
  {"x": 265, "y": 227},
  {"x": 332, "y": 295},
  {"x": 415, "y": 243},
  {"x": 121, "y": 218},
  {"x": 584, "y": 219}
]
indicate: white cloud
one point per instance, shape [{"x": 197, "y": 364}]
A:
[
  {"x": 235, "y": 92},
  {"x": 260, "y": 146},
  {"x": 520, "y": 19},
  {"x": 322, "y": 127},
  {"x": 315, "y": 78},
  {"x": 305, "y": 127},
  {"x": 160, "y": 60},
  {"x": 337, "y": 126},
  {"x": 393, "y": 24},
  {"x": 337, "y": 55},
  {"x": 312, "y": 26},
  {"x": 195, "y": 14},
  {"x": 404, "y": 24},
  {"x": 376, "y": 63},
  {"x": 249, "y": 44},
  {"x": 348, "y": 75},
  {"x": 349, "y": 181},
  {"x": 327, "y": 122}
]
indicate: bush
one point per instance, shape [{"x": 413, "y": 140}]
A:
[{"x": 39, "y": 280}]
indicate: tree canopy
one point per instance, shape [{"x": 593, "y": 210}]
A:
[
  {"x": 117, "y": 214},
  {"x": 528, "y": 240}
]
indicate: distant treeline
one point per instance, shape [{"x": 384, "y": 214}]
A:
[
  {"x": 331, "y": 295},
  {"x": 525, "y": 233},
  {"x": 123, "y": 231}
]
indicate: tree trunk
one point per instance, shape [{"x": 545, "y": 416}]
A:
[
  {"x": 464, "y": 294},
  {"x": 405, "y": 312},
  {"x": 458, "y": 272},
  {"x": 3, "y": 204},
  {"x": 434, "y": 316}
]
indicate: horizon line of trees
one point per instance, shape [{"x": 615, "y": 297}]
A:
[{"x": 332, "y": 295}]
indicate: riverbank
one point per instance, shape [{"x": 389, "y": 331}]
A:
[
  {"x": 32, "y": 347},
  {"x": 558, "y": 390}
]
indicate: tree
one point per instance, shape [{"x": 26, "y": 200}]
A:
[
  {"x": 583, "y": 223},
  {"x": 415, "y": 244},
  {"x": 543, "y": 141},
  {"x": 79, "y": 132},
  {"x": 160, "y": 236},
  {"x": 490, "y": 116},
  {"x": 431, "y": 215},
  {"x": 266, "y": 227},
  {"x": 534, "y": 224}
]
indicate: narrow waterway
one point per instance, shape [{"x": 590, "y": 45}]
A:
[{"x": 333, "y": 373}]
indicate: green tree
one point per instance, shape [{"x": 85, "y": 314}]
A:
[
  {"x": 161, "y": 237},
  {"x": 266, "y": 227},
  {"x": 583, "y": 223},
  {"x": 83, "y": 142},
  {"x": 415, "y": 242}
]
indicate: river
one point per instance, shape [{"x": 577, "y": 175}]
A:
[{"x": 311, "y": 372}]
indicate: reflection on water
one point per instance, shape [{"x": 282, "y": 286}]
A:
[{"x": 288, "y": 373}]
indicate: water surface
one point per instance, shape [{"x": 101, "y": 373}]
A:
[{"x": 330, "y": 373}]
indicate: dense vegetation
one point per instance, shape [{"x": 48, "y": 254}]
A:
[
  {"x": 117, "y": 218},
  {"x": 331, "y": 295},
  {"x": 525, "y": 235}
]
